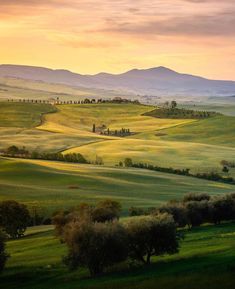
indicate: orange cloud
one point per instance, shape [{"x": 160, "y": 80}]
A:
[{"x": 89, "y": 36}]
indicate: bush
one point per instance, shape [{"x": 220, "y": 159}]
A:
[
  {"x": 3, "y": 254},
  {"x": 95, "y": 245},
  {"x": 222, "y": 209},
  {"x": 107, "y": 210},
  {"x": 178, "y": 211},
  {"x": 128, "y": 162},
  {"x": 196, "y": 197},
  {"x": 14, "y": 218},
  {"x": 151, "y": 236}
]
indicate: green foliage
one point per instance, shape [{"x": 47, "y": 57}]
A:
[
  {"x": 180, "y": 113},
  {"x": 196, "y": 197},
  {"x": 14, "y": 151},
  {"x": 178, "y": 212},
  {"x": 151, "y": 236},
  {"x": 128, "y": 162},
  {"x": 14, "y": 218},
  {"x": 213, "y": 176},
  {"x": 105, "y": 211},
  {"x": 95, "y": 245},
  {"x": 196, "y": 209}
]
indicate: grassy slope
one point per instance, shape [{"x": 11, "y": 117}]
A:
[
  {"x": 216, "y": 130},
  {"x": 206, "y": 259},
  {"x": 20, "y": 115},
  {"x": 17, "y": 127},
  {"x": 114, "y": 116},
  {"x": 48, "y": 183}
]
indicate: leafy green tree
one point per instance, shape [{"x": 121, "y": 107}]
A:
[
  {"x": 12, "y": 150},
  {"x": 95, "y": 245},
  {"x": 223, "y": 209},
  {"x": 152, "y": 236},
  {"x": 107, "y": 210},
  {"x": 14, "y": 218},
  {"x": 198, "y": 212},
  {"x": 173, "y": 104},
  {"x": 178, "y": 211},
  {"x": 128, "y": 162}
]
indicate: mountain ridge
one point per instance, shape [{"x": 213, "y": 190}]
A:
[{"x": 155, "y": 81}]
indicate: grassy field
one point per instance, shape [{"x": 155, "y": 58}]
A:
[
  {"x": 206, "y": 259},
  {"x": 18, "y": 126},
  {"x": 21, "y": 115},
  {"x": 196, "y": 144},
  {"x": 56, "y": 185}
]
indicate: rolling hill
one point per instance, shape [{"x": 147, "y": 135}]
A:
[{"x": 153, "y": 81}]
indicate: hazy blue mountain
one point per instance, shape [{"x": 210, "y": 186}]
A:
[{"x": 153, "y": 81}]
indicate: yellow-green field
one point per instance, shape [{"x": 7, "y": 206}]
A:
[{"x": 195, "y": 144}]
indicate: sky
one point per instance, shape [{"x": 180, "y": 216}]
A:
[{"x": 90, "y": 36}]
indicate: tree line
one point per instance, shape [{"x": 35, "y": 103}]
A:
[
  {"x": 170, "y": 110},
  {"x": 57, "y": 101},
  {"x": 211, "y": 176},
  {"x": 195, "y": 209},
  {"x": 14, "y": 151}
]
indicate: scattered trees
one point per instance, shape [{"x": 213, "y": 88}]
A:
[
  {"x": 97, "y": 240},
  {"x": 14, "y": 218},
  {"x": 171, "y": 111}
]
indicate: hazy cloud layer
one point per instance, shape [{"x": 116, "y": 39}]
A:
[{"x": 118, "y": 29}]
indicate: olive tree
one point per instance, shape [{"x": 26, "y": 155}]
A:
[
  {"x": 95, "y": 245},
  {"x": 14, "y": 218},
  {"x": 152, "y": 236}
]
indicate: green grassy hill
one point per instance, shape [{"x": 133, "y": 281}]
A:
[
  {"x": 215, "y": 130},
  {"x": 181, "y": 143},
  {"x": 56, "y": 185},
  {"x": 206, "y": 259}
]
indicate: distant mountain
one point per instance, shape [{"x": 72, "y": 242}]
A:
[{"x": 153, "y": 81}]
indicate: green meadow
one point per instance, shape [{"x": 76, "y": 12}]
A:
[
  {"x": 206, "y": 259},
  {"x": 55, "y": 185}
]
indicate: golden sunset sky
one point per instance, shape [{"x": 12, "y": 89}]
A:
[{"x": 90, "y": 36}]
